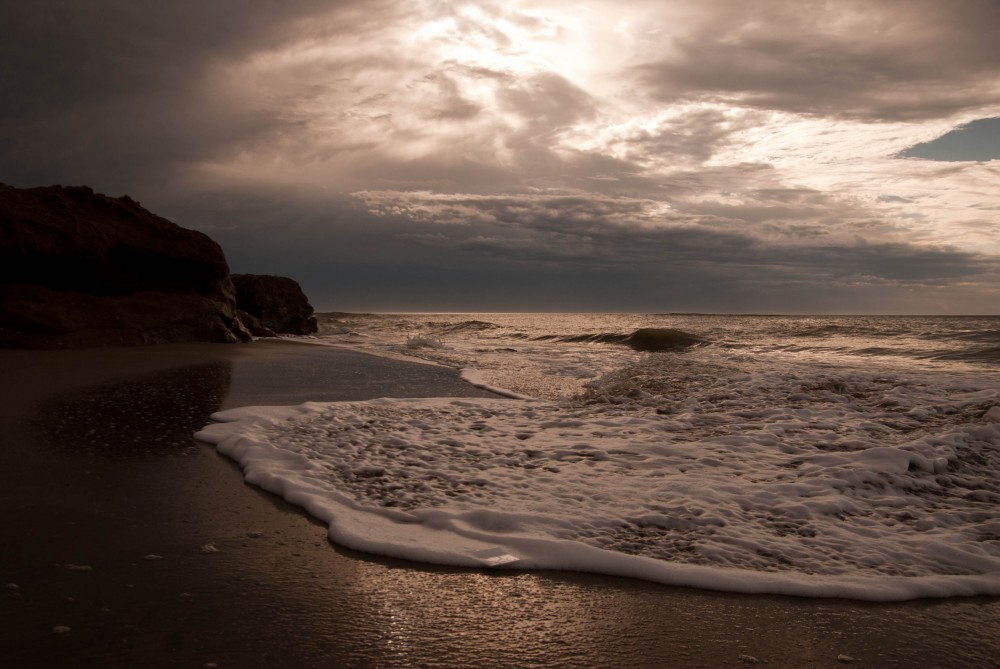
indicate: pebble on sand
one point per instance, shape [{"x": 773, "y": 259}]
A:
[
  {"x": 208, "y": 549},
  {"x": 151, "y": 556},
  {"x": 60, "y": 629}
]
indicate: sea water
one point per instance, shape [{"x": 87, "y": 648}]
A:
[{"x": 815, "y": 456}]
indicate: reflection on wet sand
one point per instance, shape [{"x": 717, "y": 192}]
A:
[
  {"x": 277, "y": 593},
  {"x": 145, "y": 416}
]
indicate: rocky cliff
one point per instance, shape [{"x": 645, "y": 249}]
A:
[
  {"x": 82, "y": 269},
  {"x": 277, "y": 302}
]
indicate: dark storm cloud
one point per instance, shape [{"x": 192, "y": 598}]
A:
[
  {"x": 114, "y": 92},
  {"x": 59, "y": 50},
  {"x": 394, "y": 251},
  {"x": 875, "y": 60},
  {"x": 603, "y": 233}
]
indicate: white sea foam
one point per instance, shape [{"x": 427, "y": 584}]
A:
[{"x": 691, "y": 470}]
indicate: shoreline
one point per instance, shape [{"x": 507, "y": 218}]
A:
[{"x": 237, "y": 577}]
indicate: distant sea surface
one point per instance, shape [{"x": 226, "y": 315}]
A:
[{"x": 847, "y": 456}]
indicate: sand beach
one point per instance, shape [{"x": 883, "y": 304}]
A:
[{"x": 127, "y": 543}]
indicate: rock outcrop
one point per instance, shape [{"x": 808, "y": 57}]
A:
[
  {"x": 277, "y": 302},
  {"x": 80, "y": 269},
  {"x": 253, "y": 324},
  {"x": 663, "y": 339}
]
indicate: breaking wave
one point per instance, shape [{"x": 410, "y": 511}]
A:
[{"x": 816, "y": 456}]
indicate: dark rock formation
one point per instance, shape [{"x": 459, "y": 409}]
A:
[
  {"x": 253, "y": 324},
  {"x": 663, "y": 339},
  {"x": 276, "y": 301},
  {"x": 82, "y": 269}
]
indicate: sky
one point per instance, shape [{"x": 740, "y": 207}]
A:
[{"x": 776, "y": 156}]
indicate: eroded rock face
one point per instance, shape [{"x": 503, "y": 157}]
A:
[
  {"x": 80, "y": 269},
  {"x": 276, "y": 301},
  {"x": 254, "y": 326}
]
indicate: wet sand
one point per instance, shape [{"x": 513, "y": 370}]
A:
[{"x": 149, "y": 547}]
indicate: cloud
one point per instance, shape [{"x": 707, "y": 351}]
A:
[
  {"x": 603, "y": 232},
  {"x": 123, "y": 94},
  {"x": 741, "y": 154},
  {"x": 550, "y": 251},
  {"x": 883, "y": 60}
]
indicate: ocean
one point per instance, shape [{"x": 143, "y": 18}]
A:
[{"x": 816, "y": 456}]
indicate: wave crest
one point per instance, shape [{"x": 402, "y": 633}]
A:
[{"x": 469, "y": 326}]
